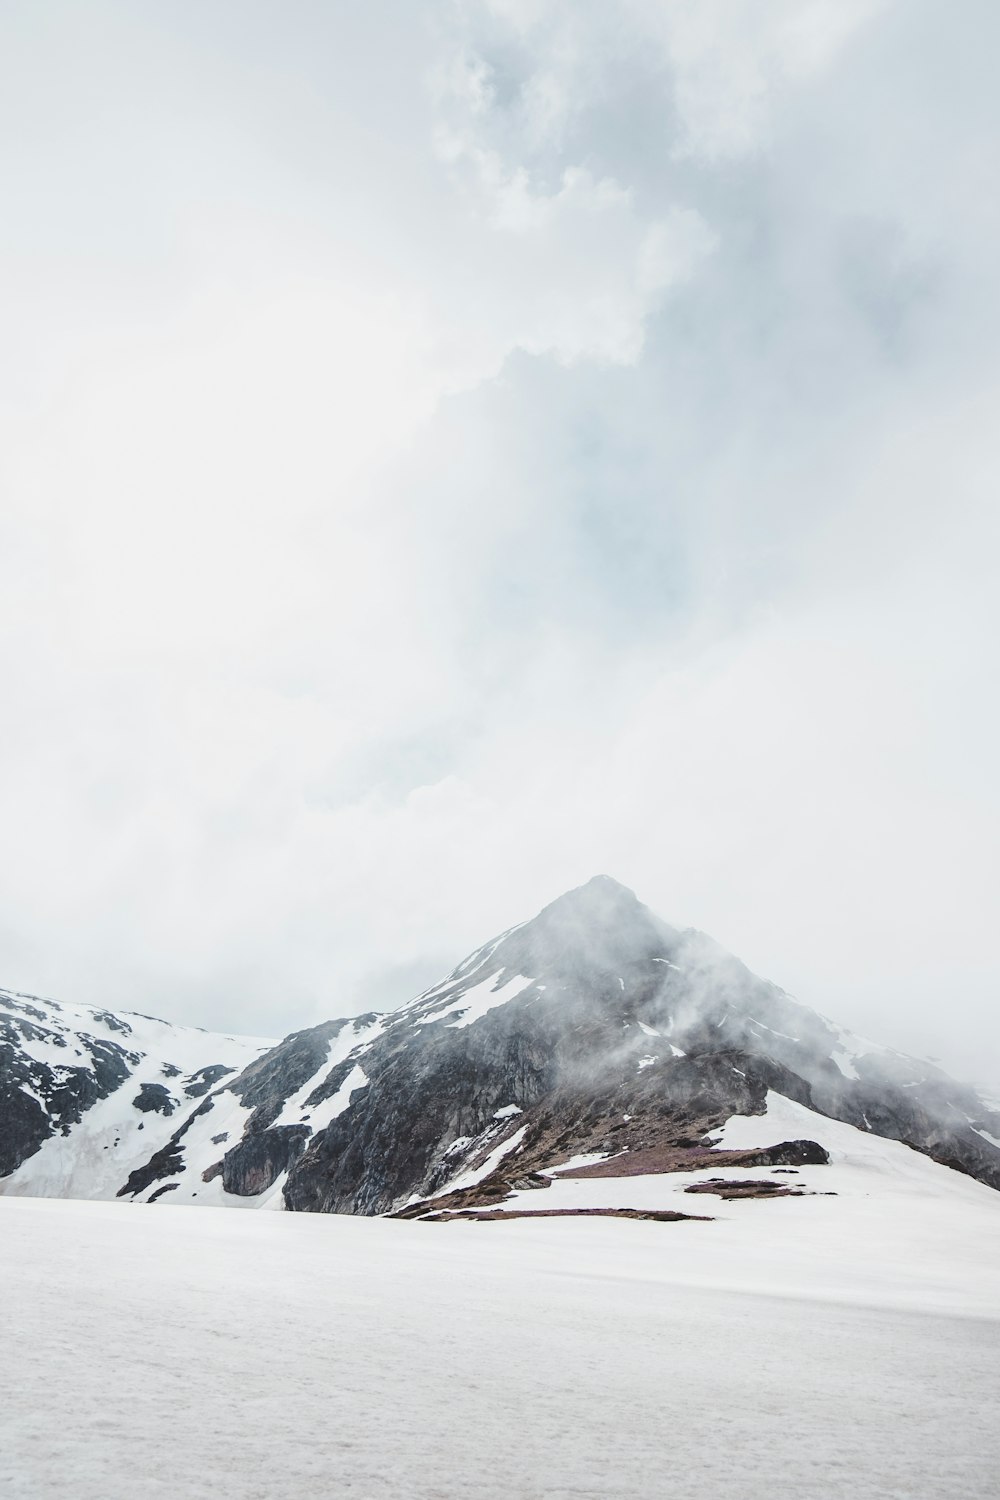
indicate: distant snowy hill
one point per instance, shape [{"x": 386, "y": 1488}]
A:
[
  {"x": 86, "y": 1095},
  {"x": 593, "y": 1052}
]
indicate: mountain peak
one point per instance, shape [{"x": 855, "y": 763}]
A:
[
  {"x": 592, "y": 1028},
  {"x": 602, "y": 900},
  {"x": 597, "y": 926},
  {"x": 608, "y": 884}
]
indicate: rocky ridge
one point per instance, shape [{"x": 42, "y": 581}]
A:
[{"x": 593, "y": 1031}]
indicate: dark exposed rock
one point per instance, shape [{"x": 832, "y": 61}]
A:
[
  {"x": 204, "y": 1079},
  {"x": 24, "y": 1124},
  {"x": 422, "y": 1094},
  {"x": 789, "y": 1154},
  {"x": 760, "y": 1189},
  {"x": 677, "y": 1157},
  {"x": 260, "y": 1158},
  {"x": 270, "y": 1080},
  {"x": 210, "y": 1173},
  {"x": 23, "y": 1006},
  {"x": 167, "y": 1162},
  {"x": 332, "y": 1083},
  {"x": 425, "y": 1092},
  {"x": 168, "y": 1187},
  {"x": 112, "y": 1022},
  {"x": 153, "y": 1097}
]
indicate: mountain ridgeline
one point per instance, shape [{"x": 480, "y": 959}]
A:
[{"x": 595, "y": 1030}]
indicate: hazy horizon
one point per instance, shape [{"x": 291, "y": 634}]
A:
[{"x": 447, "y": 452}]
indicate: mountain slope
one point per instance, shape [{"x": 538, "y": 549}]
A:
[
  {"x": 593, "y": 1030},
  {"x": 87, "y": 1094},
  {"x": 598, "y": 1028}
]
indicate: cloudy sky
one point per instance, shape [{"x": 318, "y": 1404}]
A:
[{"x": 449, "y": 450}]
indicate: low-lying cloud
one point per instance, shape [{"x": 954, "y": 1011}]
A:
[{"x": 558, "y": 442}]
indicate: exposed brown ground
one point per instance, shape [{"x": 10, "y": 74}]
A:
[
  {"x": 674, "y": 1158},
  {"x": 658, "y": 1159},
  {"x": 495, "y": 1216},
  {"x": 759, "y": 1189},
  {"x": 643, "y": 1162}
]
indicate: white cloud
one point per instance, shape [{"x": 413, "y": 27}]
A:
[
  {"x": 575, "y": 269},
  {"x": 730, "y": 62},
  {"x": 419, "y": 497},
  {"x": 725, "y": 66}
]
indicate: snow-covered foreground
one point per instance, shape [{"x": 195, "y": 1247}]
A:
[
  {"x": 184, "y": 1353},
  {"x": 899, "y": 1229}
]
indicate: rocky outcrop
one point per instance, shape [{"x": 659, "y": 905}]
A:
[
  {"x": 199, "y": 1083},
  {"x": 153, "y": 1097},
  {"x": 168, "y": 1187},
  {"x": 425, "y": 1091},
  {"x": 259, "y": 1160},
  {"x": 727, "y": 1189},
  {"x": 167, "y": 1162},
  {"x": 788, "y": 1154},
  {"x": 671, "y": 1157},
  {"x": 24, "y": 1124},
  {"x": 266, "y": 1084}
]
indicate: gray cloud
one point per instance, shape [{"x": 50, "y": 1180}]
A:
[{"x": 450, "y": 451}]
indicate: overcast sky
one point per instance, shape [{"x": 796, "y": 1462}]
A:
[{"x": 451, "y": 449}]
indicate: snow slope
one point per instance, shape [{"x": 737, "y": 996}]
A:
[
  {"x": 272, "y": 1356},
  {"x": 91, "y": 1149},
  {"x": 878, "y": 1224},
  {"x": 602, "y": 1028}
]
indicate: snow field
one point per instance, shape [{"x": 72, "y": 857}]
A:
[
  {"x": 883, "y": 1224},
  {"x": 266, "y": 1356}
]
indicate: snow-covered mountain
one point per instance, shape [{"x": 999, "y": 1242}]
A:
[
  {"x": 594, "y": 1040},
  {"x": 86, "y": 1095}
]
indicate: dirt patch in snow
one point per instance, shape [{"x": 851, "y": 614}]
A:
[
  {"x": 497, "y": 1216},
  {"x": 657, "y": 1159},
  {"x": 759, "y": 1189}
]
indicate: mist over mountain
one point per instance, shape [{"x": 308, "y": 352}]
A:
[
  {"x": 595, "y": 1031},
  {"x": 448, "y": 450},
  {"x": 567, "y": 440}
]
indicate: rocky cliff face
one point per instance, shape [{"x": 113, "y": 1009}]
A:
[
  {"x": 597, "y": 1028},
  {"x": 593, "y": 1030}
]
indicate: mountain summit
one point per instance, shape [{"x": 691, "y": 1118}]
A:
[
  {"x": 595, "y": 1030},
  {"x": 594, "y": 930}
]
